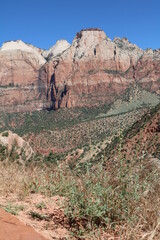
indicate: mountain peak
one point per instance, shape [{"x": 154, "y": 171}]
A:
[
  {"x": 15, "y": 45},
  {"x": 58, "y": 48},
  {"x": 88, "y": 32},
  {"x": 20, "y": 45}
]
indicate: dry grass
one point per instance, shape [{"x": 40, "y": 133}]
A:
[
  {"x": 123, "y": 200},
  {"x": 21, "y": 180}
]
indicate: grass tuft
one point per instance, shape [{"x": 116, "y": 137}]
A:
[{"x": 123, "y": 195}]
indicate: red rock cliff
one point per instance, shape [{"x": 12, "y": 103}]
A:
[{"x": 93, "y": 70}]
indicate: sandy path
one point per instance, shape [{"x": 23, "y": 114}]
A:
[{"x": 13, "y": 229}]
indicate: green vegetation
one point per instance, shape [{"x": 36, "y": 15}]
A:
[
  {"x": 41, "y": 205},
  {"x": 111, "y": 71},
  {"x": 76, "y": 127},
  {"x": 13, "y": 209},
  {"x": 38, "y": 216},
  {"x": 107, "y": 192},
  {"x": 3, "y": 151},
  {"x": 135, "y": 128},
  {"x": 133, "y": 98},
  {"x": 10, "y": 85},
  {"x": 107, "y": 195},
  {"x": 79, "y": 126},
  {"x": 54, "y": 157},
  {"x": 5, "y": 134},
  {"x": 12, "y": 155},
  {"x": 44, "y": 120}
]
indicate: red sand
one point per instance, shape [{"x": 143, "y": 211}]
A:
[{"x": 13, "y": 229}]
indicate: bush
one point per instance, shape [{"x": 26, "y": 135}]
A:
[
  {"x": 11, "y": 85},
  {"x": 2, "y": 152},
  {"x": 112, "y": 195},
  {"x": 107, "y": 196},
  {"x": 102, "y": 197},
  {"x": 5, "y": 134}
]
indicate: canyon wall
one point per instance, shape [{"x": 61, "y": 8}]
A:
[{"x": 93, "y": 70}]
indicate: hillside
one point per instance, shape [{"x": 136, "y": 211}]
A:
[
  {"x": 80, "y": 137},
  {"x": 68, "y": 129},
  {"x": 141, "y": 139},
  {"x": 111, "y": 194}
]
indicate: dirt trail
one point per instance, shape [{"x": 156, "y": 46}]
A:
[
  {"x": 42, "y": 213},
  {"x": 13, "y": 229}
]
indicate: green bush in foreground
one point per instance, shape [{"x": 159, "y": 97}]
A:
[
  {"x": 104, "y": 197},
  {"x": 108, "y": 194},
  {"x": 5, "y": 134},
  {"x": 111, "y": 194}
]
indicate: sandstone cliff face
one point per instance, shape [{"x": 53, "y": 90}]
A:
[
  {"x": 147, "y": 71},
  {"x": 57, "y": 49},
  {"x": 20, "y": 87},
  {"x": 95, "y": 70},
  {"x": 92, "y": 70}
]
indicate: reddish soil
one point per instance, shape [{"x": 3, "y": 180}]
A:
[
  {"x": 48, "y": 219},
  {"x": 55, "y": 226},
  {"x": 12, "y": 228}
]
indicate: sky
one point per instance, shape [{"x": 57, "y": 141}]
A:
[{"x": 43, "y": 22}]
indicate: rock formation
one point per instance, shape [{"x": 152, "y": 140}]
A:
[
  {"x": 92, "y": 70},
  {"x": 13, "y": 142},
  {"x": 56, "y": 50},
  {"x": 20, "y": 88}
]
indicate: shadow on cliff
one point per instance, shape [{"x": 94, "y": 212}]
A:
[{"x": 46, "y": 89}]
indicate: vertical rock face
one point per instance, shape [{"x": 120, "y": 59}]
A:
[
  {"x": 92, "y": 70},
  {"x": 20, "y": 86},
  {"x": 147, "y": 71},
  {"x": 96, "y": 70}
]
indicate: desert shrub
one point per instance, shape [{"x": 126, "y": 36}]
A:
[
  {"x": 109, "y": 197},
  {"x": 11, "y": 84},
  {"x": 13, "y": 209},
  {"x": 101, "y": 197},
  {"x": 2, "y": 152},
  {"x": 120, "y": 193},
  {"x": 54, "y": 157},
  {"x": 5, "y": 134}
]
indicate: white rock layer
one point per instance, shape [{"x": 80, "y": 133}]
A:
[
  {"x": 57, "y": 49},
  {"x": 19, "y": 45}
]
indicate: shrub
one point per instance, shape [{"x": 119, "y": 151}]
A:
[
  {"x": 13, "y": 209},
  {"x": 11, "y": 85},
  {"x": 115, "y": 194},
  {"x": 2, "y": 152},
  {"x": 5, "y": 134},
  {"x": 108, "y": 195}
]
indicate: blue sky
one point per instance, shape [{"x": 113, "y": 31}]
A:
[{"x": 43, "y": 22}]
